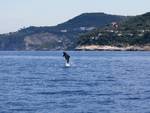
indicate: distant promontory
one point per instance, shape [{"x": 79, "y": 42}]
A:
[{"x": 88, "y": 31}]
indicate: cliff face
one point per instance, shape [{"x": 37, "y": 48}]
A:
[
  {"x": 61, "y": 37},
  {"x": 45, "y": 41}
]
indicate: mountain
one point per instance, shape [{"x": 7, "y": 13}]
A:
[
  {"x": 130, "y": 34},
  {"x": 91, "y": 20},
  {"x": 61, "y": 37}
]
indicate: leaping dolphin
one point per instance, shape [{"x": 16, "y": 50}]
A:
[{"x": 66, "y": 56}]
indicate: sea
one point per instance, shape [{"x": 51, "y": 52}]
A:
[{"x": 96, "y": 82}]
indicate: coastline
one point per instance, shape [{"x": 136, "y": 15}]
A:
[{"x": 112, "y": 48}]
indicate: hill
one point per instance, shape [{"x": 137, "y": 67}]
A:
[
  {"x": 60, "y": 37},
  {"x": 131, "y": 34},
  {"x": 91, "y": 20}
]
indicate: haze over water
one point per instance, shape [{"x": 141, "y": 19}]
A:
[{"x": 97, "y": 82}]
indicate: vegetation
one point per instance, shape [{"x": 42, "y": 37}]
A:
[
  {"x": 133, "y": 31},
  {"x": 65, "y": 33}
]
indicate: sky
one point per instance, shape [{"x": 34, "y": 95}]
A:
[{"x": 16, "y": 14}]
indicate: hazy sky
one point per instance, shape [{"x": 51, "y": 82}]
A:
[{"x": 16, "y": 14}]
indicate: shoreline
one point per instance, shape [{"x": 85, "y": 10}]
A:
[{"x": 112, "y": 48}]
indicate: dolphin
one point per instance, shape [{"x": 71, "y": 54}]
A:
[{"x": 66, "y": 56}]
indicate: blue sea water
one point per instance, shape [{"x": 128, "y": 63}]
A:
[{"x": 96, "y": 82}]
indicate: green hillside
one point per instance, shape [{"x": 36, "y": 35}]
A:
[
  {"x": 135, "y": 31},
  {"x": 60, "y": 37}
]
